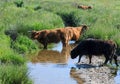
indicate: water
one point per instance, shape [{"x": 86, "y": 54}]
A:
[
  {"x": 53, "y": 66},
  {"x": 117, "y": 77}
]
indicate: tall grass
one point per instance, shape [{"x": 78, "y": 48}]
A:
[
  {"x": 24, "y": 45},
  {"x": 24, "y": 20},
  {"x": 6, "y": 54},
  {"x": 11, "y": 74}
]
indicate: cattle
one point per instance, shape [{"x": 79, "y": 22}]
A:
[
  {"x": 95, "y": 47},
  {"x": 74, "y": 33},
  {"x": 60, "y": 34},
  {"x": 84, "y": 7},
  {"x": 49, "y": 36}
]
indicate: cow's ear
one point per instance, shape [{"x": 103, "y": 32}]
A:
[
  {"x": 37, "y": 33},
  {"x": 84, "y": 27}
]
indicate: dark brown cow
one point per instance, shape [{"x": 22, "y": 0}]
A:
[
  {"x": 84, "y": 7},
  {"x": 49, "y": 36},
  {"x": 56, "y": 35},
  {"x": 95, "y": 47}
]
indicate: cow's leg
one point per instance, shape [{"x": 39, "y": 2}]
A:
[
  {"x": 90, "y": 57},
  {"x": 65, "y": 43},
  {"x": 45, "y": 45},
  {"x": 111, "y": 60},
  {"x": 79, "y": 58},
  {"x": 115, "y": 58},
  {"x": 111, "y": 57},
  {"x": 106, "y": 59}
]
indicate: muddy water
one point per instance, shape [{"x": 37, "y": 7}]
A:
[{"x": 54, "y": 66}]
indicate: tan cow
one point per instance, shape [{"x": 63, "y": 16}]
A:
[
  {"x": 56, "y": 35},
  {"x": 74, "y": 33},
  {"x": 84, "y": 7}
]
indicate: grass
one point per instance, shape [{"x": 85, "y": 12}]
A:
[
  {"x": 11, "y": 74},
  {"x": 7, "y": 55},
  {"x": 24, "y": 45}
]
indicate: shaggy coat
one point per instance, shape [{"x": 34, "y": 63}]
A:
[
  {"x": 74, "y": 33},
  {"x": 56, "y": 35},
  {"x": 95, "y": 47}
]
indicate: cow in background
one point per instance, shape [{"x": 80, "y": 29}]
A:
[{"x": 84, "y": 7}]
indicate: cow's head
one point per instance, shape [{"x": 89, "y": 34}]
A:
[
  {"x": 89, "y": 7},
  {"x": 84, "y": 28},
  {"x": 74, "y": 53},
  {"x": 35, "y": 34}
]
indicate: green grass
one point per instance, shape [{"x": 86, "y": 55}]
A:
[
  {"x": 11, "y": 74},
  {"x": 24, "y": 20},
  {"x": 24, "y": 45},
  {"x": 7, "y": 55}
]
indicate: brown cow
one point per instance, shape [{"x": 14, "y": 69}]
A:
[
  {"x": 56, "y": 35},
  {"x": 75, "y": 32},
  {"x": 49, "y": 36},
  {"x": 84, "y": 7},
  {"x": 96, "y": 47}
]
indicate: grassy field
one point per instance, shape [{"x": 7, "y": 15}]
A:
[{"x": 20, "y": 16}]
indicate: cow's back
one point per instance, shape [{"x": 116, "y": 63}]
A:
[{"x": 95, "y": 47}]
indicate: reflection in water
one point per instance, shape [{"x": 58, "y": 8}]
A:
[
  {"x": 53, "y": 67},
  {"x": 75, "y": 76},
  {"x": 52, "y": 56}
]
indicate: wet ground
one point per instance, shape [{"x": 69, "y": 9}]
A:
[{"x": 54, "y": 66}]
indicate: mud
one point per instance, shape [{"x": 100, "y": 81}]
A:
[{"x": 92, "y": 74}]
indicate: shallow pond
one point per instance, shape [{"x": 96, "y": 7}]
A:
[{"x": 54, "y": 66}]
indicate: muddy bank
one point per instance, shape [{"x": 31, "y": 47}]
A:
[{"x": 92, "y": 74}]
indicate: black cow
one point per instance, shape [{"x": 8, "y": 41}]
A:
[{"x": 95, "y": 47}]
